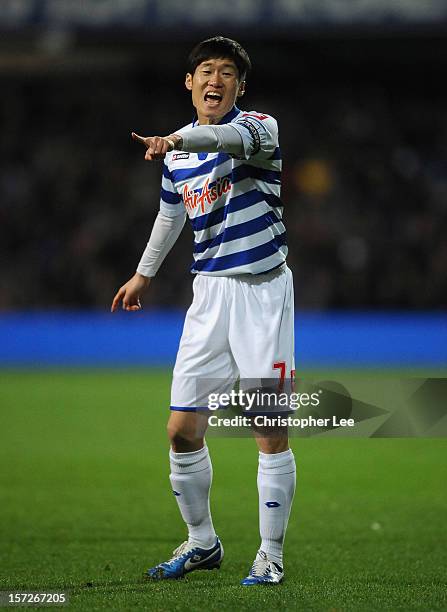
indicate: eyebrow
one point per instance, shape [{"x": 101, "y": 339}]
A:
[{"x": 223, "y": 66}]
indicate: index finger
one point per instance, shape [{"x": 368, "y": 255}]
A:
[
  {"x": 141, "y": 139},
  {"x": 116, "y": 300}
]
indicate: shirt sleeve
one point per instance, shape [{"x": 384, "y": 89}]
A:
[
  {"x": 170, "y": 200},
  {"x": 212, "y": 139},
  {"x": 259, "y": 135},
  {"x": 164, "y": 234}
]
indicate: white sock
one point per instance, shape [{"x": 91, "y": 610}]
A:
[
  {"x": 276, "y": 487},
  {"x": 191, "y": 476}
]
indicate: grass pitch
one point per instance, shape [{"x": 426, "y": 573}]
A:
[{"x": 86, "y": 506}]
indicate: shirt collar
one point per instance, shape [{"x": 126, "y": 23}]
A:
[{"x": 225, "y": 119}]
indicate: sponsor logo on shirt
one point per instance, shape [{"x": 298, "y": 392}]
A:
[
  {"x": 176, "y": 156},
  {"x": 205, "y": 196}
]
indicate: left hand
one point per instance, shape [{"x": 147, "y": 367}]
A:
[{"x": 157, "y": 146}]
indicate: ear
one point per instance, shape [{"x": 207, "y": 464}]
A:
[
  {"x": 241, "y": 89},
  {"x": 188, "y": 81}
]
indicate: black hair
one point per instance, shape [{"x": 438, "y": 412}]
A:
[{"x": 220, "y": 47}]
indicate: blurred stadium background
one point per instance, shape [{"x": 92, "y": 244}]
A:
[{"x": 359, "y": 91}]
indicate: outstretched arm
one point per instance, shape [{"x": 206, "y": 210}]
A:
[
  {"x": 165, "y": 232},
  {"x": 202, "y": 138}
]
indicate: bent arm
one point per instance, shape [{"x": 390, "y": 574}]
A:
[{"x": 164, "y": 234}]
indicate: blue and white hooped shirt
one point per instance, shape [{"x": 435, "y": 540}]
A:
[{"x": 233, "y": 203}]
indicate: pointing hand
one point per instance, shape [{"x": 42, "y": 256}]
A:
[{"x": 157, "y": 146}]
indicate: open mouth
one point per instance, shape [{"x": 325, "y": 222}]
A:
[{"x": 213, "y": 98}]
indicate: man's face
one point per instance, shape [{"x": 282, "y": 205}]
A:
[{"x": 214, "y": 86}]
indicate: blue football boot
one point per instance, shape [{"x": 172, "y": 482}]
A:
[
  {"x": 263, "y": 571},
  {"x": 187, "y": 558}
]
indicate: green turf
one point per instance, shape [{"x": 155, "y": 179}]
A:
[{"x": 86, "y": 506}]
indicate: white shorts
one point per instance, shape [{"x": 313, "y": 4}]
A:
[{"x": 236, "y": 327}]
